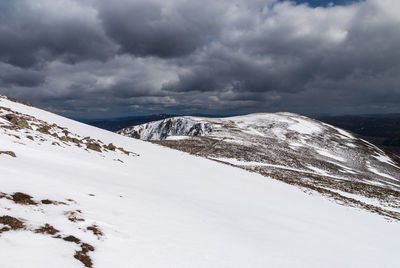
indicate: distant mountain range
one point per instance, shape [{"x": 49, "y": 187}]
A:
[{"x": 379, "y": 129}]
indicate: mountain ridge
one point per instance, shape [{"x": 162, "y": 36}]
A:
[{"x": 289, "y": 147}]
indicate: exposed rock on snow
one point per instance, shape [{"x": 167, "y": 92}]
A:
[
  {"x": 179, "y": 126},
  {"x": 12, "y": 123}
]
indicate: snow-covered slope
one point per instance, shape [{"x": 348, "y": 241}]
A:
[
  {"x": 291, "y": 148},
  {"x": 144, "y": 205}
]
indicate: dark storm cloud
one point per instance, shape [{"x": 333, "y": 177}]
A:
[
  {"x": 294, "y": 47},
  {"x": 160, "y": 28},
  {"x": 34, "y": 32},
  {"x": 183, "y": 56},
  {"x": 13, "y": 76},
  {"x": 230, "y": 69}
]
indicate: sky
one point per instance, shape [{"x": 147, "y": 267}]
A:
[{"x": 98, "y": 59}]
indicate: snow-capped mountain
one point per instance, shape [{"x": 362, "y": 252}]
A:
[
  {"x": 292, "y": 148},
  {"x": 72, "y": 195}
]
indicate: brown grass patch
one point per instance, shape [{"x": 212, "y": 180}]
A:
[
  {"x": 52, "y": 202},
  {"x": 23, "y": 199},
  {"x": 47, "y": 229},
  {"x": 10, "y": 153},
  {"x": 13, "y": 223},
  {"x": 94, "y": 146},
  {"x": 95, "y": 229},
  {"x": 47, "y": 202},
  {"x": 82, "y": 255},
  {"x": 72, "y": 239},
  {"x": 73, "y": 216}
]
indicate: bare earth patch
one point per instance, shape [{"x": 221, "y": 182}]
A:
[
  {"x": 23, "y": 199},
  {"x": 47, "y": 229},
  {"x": 95, "y": 229},
  {"x": 11, "y": 222},
  {"x": 73, "y": 216},
  {"x": 10, "y": 153}
]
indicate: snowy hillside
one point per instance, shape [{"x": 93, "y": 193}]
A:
[
  {"x": 292, "y": 148},
  {"x": 73, "y": 195}
]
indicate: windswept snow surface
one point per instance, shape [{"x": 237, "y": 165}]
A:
[
  {"x": 330, "y": 155},
  {"x": 165, "y": 208}
]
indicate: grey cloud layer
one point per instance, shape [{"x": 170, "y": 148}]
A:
[
  {"x": 201, "y": 56},
  {"x": 36, "y": 32},
  {"x": 160, "y": 28}
]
